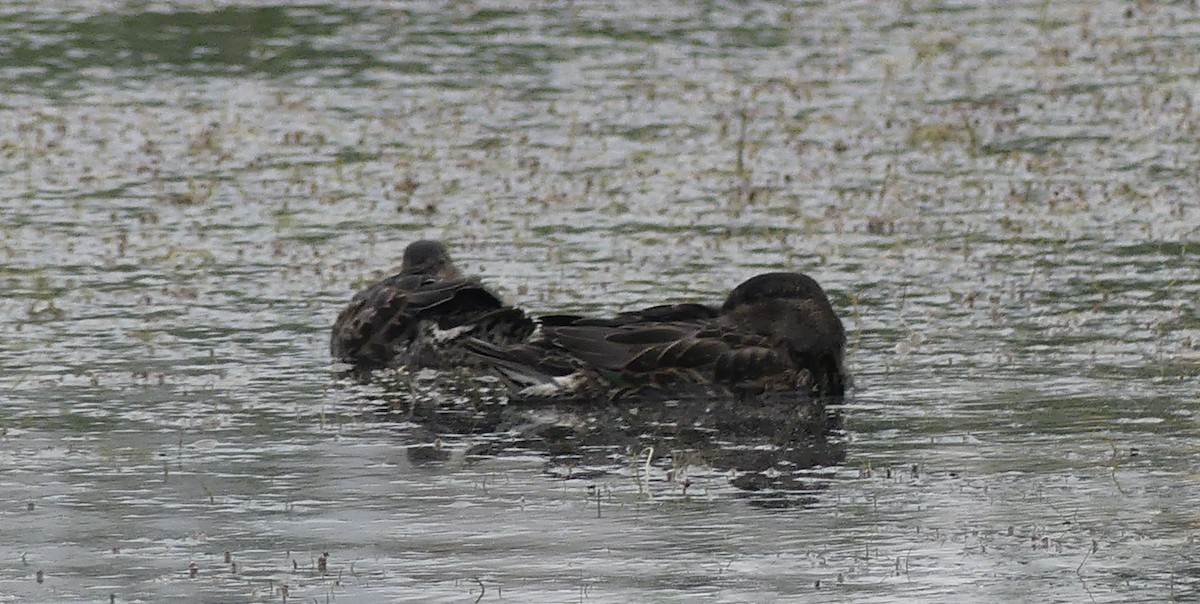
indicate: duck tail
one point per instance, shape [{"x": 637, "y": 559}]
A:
[{"x": 515, "y": 364}]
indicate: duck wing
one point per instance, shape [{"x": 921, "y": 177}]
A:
[
  {"x": 661, "y": 313},
  {"x": 713, "y": 355},
  {"x": 526, "y": 364},
  {"x": 358, "y": 334},
  {"x": 586, "y": 362},
  {"x": 610, "y": 349},
  {"x": 671, "y": 313},
  {"x": 387, "y": 317}
]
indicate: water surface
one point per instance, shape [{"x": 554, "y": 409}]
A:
[{"x": 999, "y": 197}]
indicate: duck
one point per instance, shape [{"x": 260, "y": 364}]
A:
[
  {"x": 776, "y": 333},
  {"x": 418, "y": 317}
]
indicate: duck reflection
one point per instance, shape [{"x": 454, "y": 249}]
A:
[{"x": 770, "y": 449}]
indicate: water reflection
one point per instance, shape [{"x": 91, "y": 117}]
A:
[{"x": 767, "y": 447}]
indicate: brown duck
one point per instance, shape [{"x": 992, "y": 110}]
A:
[
  {"x": 420, "y": 316},
  {"x": 776, "y": 332}
]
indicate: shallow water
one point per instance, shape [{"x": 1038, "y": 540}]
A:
[{"x": 999, "y": 197}]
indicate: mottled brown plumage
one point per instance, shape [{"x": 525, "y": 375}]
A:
[
  {"x": 775, "y": 332},
  {"x": 419, "y": 316}
]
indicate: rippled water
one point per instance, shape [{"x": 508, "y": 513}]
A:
[{"x": 1000, "y": 198}]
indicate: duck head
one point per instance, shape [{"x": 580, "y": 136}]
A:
[
  {"x": 429, "y": 257},
  {"x": 775, "y": 286},
  {"x": 793, "y": 311}
]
